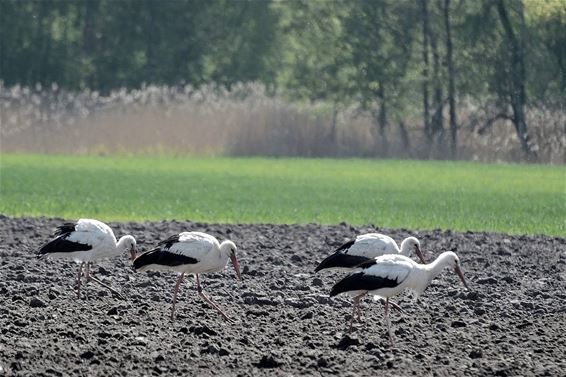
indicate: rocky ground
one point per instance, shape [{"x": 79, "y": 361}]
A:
[{"x": 512, "y": 322}]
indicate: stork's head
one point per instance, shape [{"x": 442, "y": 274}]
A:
[
  {"x": 451, "y": 259},
  {"x": 229, "y": 249},
  {"x": 411, "y": 244},
  {"x": 128, "y": 244}
]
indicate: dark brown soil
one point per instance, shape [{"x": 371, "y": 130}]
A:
[{"x": 513, "y": 322}]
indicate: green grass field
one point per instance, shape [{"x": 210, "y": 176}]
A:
[{"x": 461, "y": 196}]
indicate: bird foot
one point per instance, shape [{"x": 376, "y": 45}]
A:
[
  {"x": 76, "y": 291},
  {"x": 227, "y": 318},
  {"x": 397, "y": 307},
  {"x": 394, "y": 305},
  {"x": 115, "y": 292}
]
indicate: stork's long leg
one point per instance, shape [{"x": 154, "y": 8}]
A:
[
  {"x": 388, "y": 320},
  {"x": 79, "y": 280},
  {"x": 356, "y": 309},
  {"x": 209, "y": 300},
  {"x": 394, "y": 305},
  {"x": 89, "y": 277},
  {"x": 175, "y": 295},
  {"x": 353, "y": 315}
]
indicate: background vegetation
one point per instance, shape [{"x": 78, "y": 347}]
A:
[
  {"x": 428, "y": 79},
  {"x": 397, "y": 194},
  {"x": 419, "y": 79}
]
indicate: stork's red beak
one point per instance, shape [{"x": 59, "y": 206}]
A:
[
  {"x": 461, "y": 275},
  {"x": 236, "y": 265},
  {"x": 420, "y": 255},
  {"x": 133, "y": 253}
]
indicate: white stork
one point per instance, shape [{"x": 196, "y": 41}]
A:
[
  {"x": 190, "y": 252},
  {"x": 389, "y": 275},
  {"x": 366, "y": 247},
  {"x": 85, "y": 241}
]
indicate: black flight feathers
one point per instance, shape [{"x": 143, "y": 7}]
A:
[
  {"x": 60, "y": 244},
  {"x": 346, "y": 246},
  {"x": 359, "y": 281},
  {"x": 340, "y": 259},
  {"x": 169, "y": 241},
  {"x": 161, "y": 256},
  {"x": 64, "y": 229}
]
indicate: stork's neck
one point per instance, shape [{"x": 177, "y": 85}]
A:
[
  {"x": 405, "y": 248},
  {"x": 436, "y": 267},
  {"x": 224, "y": 250},
  {"x": 121, "y": 244}
]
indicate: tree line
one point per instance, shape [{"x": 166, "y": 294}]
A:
[{"x": 401, "y": 61}]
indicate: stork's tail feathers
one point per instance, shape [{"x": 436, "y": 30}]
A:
[
  {"x": 147, "y": 258},
  {"x": 349, "y": 283},
  {"x": 361, "y": 281},
  {"x": 340, "y": 260}
]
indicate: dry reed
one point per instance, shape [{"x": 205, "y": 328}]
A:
[{"x": 245, "y": 121}]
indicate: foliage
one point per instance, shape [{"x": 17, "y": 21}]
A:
[
  {"x": 383, "y": 56},
  {"x": 408, "y": 194},
  {"x": 104, "y": 44}
]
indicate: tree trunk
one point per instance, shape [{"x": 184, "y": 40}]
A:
[
  {"x": 518, "y": 97},
  {"x": 405, "y": 138},
  {"x": 42, "y": 43},
  {"x": 332, "y": 133},
  {"x": 151, "y": 42},
  {"x": 3, "y": 12},
  {"x": 89, "y": 42},
  {"x": 382, "y": 122},
  {"x": 451, "y": 85},
  {"x": 437, "y": 119},
  {"x": 425, "y": 72}
]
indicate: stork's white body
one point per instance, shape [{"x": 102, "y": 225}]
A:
[
  {"x": 366, "y": 246},
  {"x": 389, "y": 275},
  {"x": 94, "y": 233},
  {"x": 190, "y": 252},
  {"x": 85, "y": 241},
  {"x": 202, "y": 247},
  {"x": 371, "y": 245}
]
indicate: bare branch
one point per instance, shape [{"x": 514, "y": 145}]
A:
[{"x": 492, "y": 120}]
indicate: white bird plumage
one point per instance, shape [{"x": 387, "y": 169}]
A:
[
  {"x": 389, "y": 275},
  {"x": 190, "y": 252},
  {"x": 365, "y": 247},
  {"x": 369, "y": 245},
  {"x": 85, "y": 241}
]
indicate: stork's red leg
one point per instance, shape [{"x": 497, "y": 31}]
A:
[
  {"x": 175, "y": 295},
  {"x": 359, "y": 312},
  {"x": 356, "y": 299},
  {"x": 356, "y": 310},
  {"x": 388, "y": 320},
  {"x": 79, "y": 280},
  {"x": 90, "y": 277},
  {"x": 209, "y": 300},
  {"x": 394, "y": 305}
]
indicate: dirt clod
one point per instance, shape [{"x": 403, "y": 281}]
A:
[
  {"x": 511, "y": 322},
  {"x": 268, "y": 361},
  {"x": 37, "y": 303}
]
